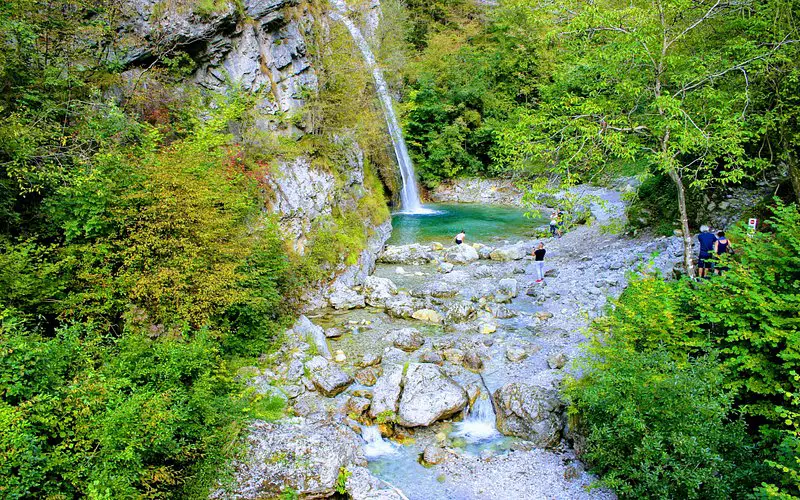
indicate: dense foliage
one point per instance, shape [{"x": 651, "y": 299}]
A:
[{"x": 678, "y": 371}]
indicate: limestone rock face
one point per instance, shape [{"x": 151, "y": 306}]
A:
[
  {"x": 461, "y": 254},
  {"x": 413, "y": 254},
  {"x": 428, "y": 395},
  {"x": 378, "y": 290},
  {"x": 304, "y": 456},
  {"x": 386, "y": 392},
  {"x": 530, "y": 412},
  {"x": 312, "y": 334},
  {"x": 328, "y": 378}
]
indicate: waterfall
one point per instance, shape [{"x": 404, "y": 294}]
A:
[
  {"x": 479, "y": 424},
  {"x": 375, "y": 445},
  {"x": 409, "y": 196}
]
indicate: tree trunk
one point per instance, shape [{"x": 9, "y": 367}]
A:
[{"x": 688, "y": 263}]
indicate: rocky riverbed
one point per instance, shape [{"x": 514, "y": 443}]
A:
[{"x": 439, "y": 376}]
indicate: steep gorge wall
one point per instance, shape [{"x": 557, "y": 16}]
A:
[{"x": 273, "y": 50}]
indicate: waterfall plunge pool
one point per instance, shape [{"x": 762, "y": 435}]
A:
[{"x": 482, "y": 223}]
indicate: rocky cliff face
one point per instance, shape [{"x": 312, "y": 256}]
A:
[{"x": 262, "y": 47}]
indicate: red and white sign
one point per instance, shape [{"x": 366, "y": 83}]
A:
[{"x": 752, "y": 223}]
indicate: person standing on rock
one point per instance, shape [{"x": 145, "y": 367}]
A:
[
  {"x": 460, "y": 237},
  {"x": 553, "y": 224},
  {"x": 538, "y": 261},
  {"x": 707, "y": 242}
]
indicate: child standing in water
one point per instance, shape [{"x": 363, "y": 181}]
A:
[{"x": 538, "y": 261}]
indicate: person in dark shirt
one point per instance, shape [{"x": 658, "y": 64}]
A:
[
  {"x": 707, "y": 240},
  {"x": 721, "y": 246},
  {"x": 538, "y": 260}
]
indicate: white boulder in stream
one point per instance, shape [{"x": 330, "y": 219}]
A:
[
  {"x": 343, "y": 297},
  {"x": 413, "y": 254},
  {"x": 428, "y": 395},
  {"x": 303, "y": 456},
  {"x": 378, "y": 290},
  {"x": 461, "y": 254},
  {"x": 530, "y": 412}
]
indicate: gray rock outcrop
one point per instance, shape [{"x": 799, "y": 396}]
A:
[
  {"x": 530, "y": 412},
  {"x": 428, "y": 395}
]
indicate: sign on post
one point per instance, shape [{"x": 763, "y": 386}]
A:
[{"x": 752, "y": 223}]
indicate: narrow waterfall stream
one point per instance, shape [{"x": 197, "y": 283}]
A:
[
  {"x": 479, "y": 425},
  {"x": 409, "y": 196}
]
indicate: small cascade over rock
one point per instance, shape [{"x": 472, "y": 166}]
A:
[
  {"x": 376, "y": 446},
  {"x": 409, "y": 196},
  {"x": 479, "y": 424}
]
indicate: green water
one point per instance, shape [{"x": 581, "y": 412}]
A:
[{"x": 482, "y": 223}]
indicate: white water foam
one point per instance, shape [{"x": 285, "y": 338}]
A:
[
  {"x": 376, "y": 446},
  {"x": 479, "y": 424},
  {"x": 409, "y": 196}
]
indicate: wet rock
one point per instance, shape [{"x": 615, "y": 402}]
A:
[
  {"x": 473, "y": 361},
  {"x": 313, "y": 334},
  {"x": 460, "y": 311},
  {"x": 428, "y": 395},
  {"x": 530, "y": 412},
  {"x": 431, "y": 357},
  {"x": 511, "y": 252},
  {"x": 407, "y": 339},
  {"x": 357, "y": 406},
  {"x": 328, "y": 378},
  {"x": 557, "y": 361},
  {"x": 438, "y": 289},
  {"x": 386, "y": 392},
  {"x": 461, "y": 254},
  {"x": 434, "y": 454},
  {"x": 333, "y": 333},
  {"x": 414, "y": 254},
  {"x": 369, "y": 359},
  {"x": 454, "y": 355},
  {"x": 378, "y": 290},
  {"x": 366, "y": 377},
  {"x": 428, "y": 315},
  {"x": 516, "y": 354},
  {"x": 303, "y": 456},
  {"x": 344, "y": 297}
]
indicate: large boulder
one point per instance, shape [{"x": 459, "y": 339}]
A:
[
  {"x": 407, "y": 339},
  {"x": 312, "y": 334},
  {"x": 328, "y": 378},
  {"x": 403, "y": 306},
  {"x": 461, "y": 254},
  {"x": 378, "y": 290},
  {"x": 343, "y": 297},
  {"x": 386, "y": 392},
  {"x": 303, "y": 456},
  {"x": 530, "y": 412},
  {"x": 413, "y": 254},
  {"x": 510, "y": 252},
  {"x": 437, "y": 289},
  {"x": 508, "y": 286},
  {"x": 428, "y": 395},
  {"x": 429, "y": 315}
]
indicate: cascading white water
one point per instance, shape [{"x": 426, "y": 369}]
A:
[
  {"x": 409, "y": 196},
  {"x": 479, "y": 424},
  {"x": 375, "y": 445}
]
